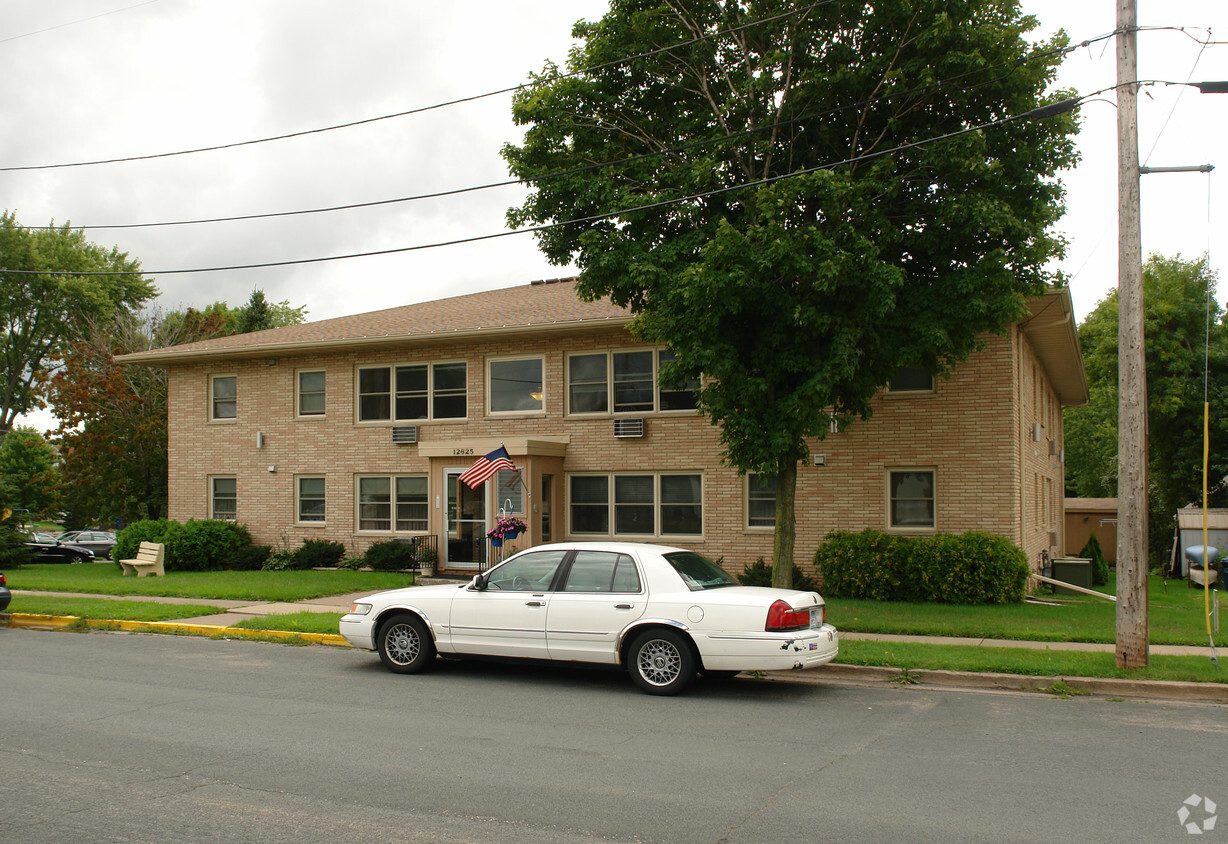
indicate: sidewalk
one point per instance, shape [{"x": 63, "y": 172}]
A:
[{"x": 1154, "y": 689}]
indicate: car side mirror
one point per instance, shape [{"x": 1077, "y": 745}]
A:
[{"x": 478, "y": 583}]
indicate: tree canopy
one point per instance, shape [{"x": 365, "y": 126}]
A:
[
  {"x": 1187, "y": 360},
  {"x": 796, "y": 199},
  {"x": 41, "y": 314},
  {"x": 29, "y": 472}
]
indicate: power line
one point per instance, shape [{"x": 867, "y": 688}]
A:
[
  {"x": 77, "y": 21},
  {"x": 937, "y": 85},
  {"x": 420, "y": 109},
  {"x": 1039, "y": 112}
]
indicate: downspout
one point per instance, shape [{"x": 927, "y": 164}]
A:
[{"x": 1018, "y": 424}]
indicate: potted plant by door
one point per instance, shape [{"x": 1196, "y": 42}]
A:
[{"x": 508, "y": 527}]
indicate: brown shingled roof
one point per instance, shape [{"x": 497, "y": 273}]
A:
[{"x": 542, "y": 305}]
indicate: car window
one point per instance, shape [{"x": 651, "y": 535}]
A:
[
  {"x": 698, "y": 572},
  {"x": 602, "y": 571},
  {"x": 530, "y": 572}
]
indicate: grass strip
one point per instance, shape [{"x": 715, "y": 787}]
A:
[
  {"x": 295, "y": 622},
  {"x": 1027, "y": 661},
  {"x": 101, "y": 608}
]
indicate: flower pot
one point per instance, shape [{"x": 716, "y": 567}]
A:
[
  {"x": 496, "y": 541},
  {"x": 511, "y": 534}
]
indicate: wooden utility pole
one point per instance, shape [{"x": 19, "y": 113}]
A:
[{"x": 1131, "y": 362}]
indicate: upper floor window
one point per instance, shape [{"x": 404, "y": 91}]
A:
[
  {"x": 912, "y": 379},
  {"x": 912, "y": 501},
  {"x": 625, "y": 382},
  {"x": 311, "y": 392},
  {"x": 412, "y": 392},
  {"x": 516, "y": 385},
  {"x": 223, "y": 397}
]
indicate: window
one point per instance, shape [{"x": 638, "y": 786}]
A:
[
  {"x": 626, "y": 382},
  {"x": 412, "y": 393},
  {"x": 509, "y": 490},
  {"x": 911, "y": 379},
  {"x": 760, "y": 500},
  {"x": 602, "y": 571},
  {"x": 636, "y": 505},
  {"x": 912, "y": 499},
  {"x": 311, "y": 393},
  {"x": 311, "y": 498},
  {"x": 532, "y": 572},
  {"x": 223, "y": 498},
  {"x": 516, "y": 385},
  {"x": 223, "y": 396},
  {"x": 376, "y": 500}
]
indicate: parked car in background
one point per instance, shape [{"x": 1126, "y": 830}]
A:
[
  {"x": 51, "y": 550},
  {"x": 5, "y": 594},
  {"x": 99, "y": 541},
  {"x": 662, "y": 613}
]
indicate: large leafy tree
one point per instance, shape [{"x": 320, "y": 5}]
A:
[
  {"x": 1187, "y": 362},
  {"x": 795, "y": 199},
  {"x": 29, "y": 472},
  {"x": 42, "y": 313}
]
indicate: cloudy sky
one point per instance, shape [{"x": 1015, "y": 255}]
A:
[{"x": 101, "y": 79}]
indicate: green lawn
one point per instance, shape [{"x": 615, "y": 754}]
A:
[
  {"x": 106, "y": 579},
  {"x": 1175, "y": 617},
  {"x": 296, "y": 622},
  {"x": 102, "y": 608}
]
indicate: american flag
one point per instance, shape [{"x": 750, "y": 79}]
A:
[{"x": 485, "y": 466}]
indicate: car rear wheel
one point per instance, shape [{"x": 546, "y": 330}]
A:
[
  {"x": 662, "y": 662},
  {"x": 405, "y": 645}
]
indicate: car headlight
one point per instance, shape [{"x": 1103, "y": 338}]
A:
[{"x": 359, "y": 609}]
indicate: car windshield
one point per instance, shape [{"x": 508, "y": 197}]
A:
[{"x": 699, "y": 572}]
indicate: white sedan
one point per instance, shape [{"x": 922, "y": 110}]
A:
[{"x": 663, "y": 613}]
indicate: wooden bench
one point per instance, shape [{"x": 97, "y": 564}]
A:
[{"x": 148, "y": 560}]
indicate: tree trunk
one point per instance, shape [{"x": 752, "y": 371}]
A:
[{"x": 786, "y": 525}]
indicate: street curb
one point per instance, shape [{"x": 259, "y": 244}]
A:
[
  {"x": 58, "y": 622},
  {"x": 1098, "y": 686}
]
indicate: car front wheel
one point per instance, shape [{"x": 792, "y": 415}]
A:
[
  {"x": 405, "y": 645},
  {"x": 662, "y": 662}
]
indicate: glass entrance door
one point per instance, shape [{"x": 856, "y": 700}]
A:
[{"x": 465, "y": 532}]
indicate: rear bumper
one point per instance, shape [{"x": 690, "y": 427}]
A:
[{"x": 768, "y": 651}]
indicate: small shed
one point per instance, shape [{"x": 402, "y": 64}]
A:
[
  {"x": 1189, "y": 532},
  {"x": 1086, "y": 517}
]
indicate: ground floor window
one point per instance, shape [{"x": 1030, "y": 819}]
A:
[
  {"x": 377, "y": 496},
  {"x": 223, "y": 497},
  {"x": 760, "y": 500},
  {"x": 311, "y": 498},
  {"x": 636, "y": 505},
  {"x": 912, "y": 499}
]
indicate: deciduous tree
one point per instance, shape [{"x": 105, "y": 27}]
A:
[
  {"x": 29, "y": 472},
  {"x": 796, "y": 199}
]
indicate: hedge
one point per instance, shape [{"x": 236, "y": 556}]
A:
[
  {"x": 195, "y": 545},
  {"x": 971, "y": 568}
]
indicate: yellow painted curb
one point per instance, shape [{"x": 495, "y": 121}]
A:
[{"x": 56, "y": 622}]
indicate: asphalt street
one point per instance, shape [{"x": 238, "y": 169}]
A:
[{"x": 122, "y": 737}]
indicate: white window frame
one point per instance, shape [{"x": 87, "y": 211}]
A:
[
  {"x": 392, "y": 503},
  {"x": 431, "y": 394},
  {"x": 751, "y": 486},
  {"x": 213, "y": 379},
  {"x": 541, "y": 402},
  {"x": 213, "y": 498},
  {"x": 610, "y": 410},
  {"x": 921, "y": 529},
  {"x": 299, "y": 498},
  {"x": 298, "y": 394},
  {"x": 658, "y": 504}
]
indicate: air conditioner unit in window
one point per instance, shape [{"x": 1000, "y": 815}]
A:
[
  {"x": 628, "y": 427},
  {"x": 405, "y": 434}
]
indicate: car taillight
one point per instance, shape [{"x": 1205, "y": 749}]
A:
[
  {"x": 2, "y": 580},
  {"x": 782, "y": 617}
]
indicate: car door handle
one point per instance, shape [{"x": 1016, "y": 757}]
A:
[
  {"x": 623, "y": 606},
  {"x": 535, "y": 604}
]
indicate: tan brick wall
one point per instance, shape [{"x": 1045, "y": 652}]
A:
[{"x": 974, "y": 431}]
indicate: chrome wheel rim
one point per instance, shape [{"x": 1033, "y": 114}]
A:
[
  {"x": 402, "y": 644},
  {"x": 659, "y": 662}
]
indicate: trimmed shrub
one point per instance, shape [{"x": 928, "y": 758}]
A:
[
  {"x": 391, "y": 555},
  {"x": 128, "y": 540},
  {"x": 204, "y": 544},
  {"x": 318, "y": 553},
  {"x": 249, "y": 558},
  {"x": 971, "y": 568},
  {"x": 1100, "y": 566},
  {"x": 279, "y": 561},
  {"x": 759, "y": 573}
]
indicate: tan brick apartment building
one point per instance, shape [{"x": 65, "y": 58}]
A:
[{"x": 356, "y": 429}]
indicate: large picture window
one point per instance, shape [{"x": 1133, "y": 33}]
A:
[
  {"x": 636, "y": 505},
  {"x": 912, "y": 499},
  {"x": 516, "y": 385},
  {"x": 625, "y": 382},
  {"x": 382, "y": 496},
  {"x": 412, "y": 393}
]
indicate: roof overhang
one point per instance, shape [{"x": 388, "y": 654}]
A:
[{"x": 1050, "y": 328}]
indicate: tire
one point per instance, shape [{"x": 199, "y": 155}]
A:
[
  {"x": 661, "y": 662},
  {"x": 405, "y": 645}
]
